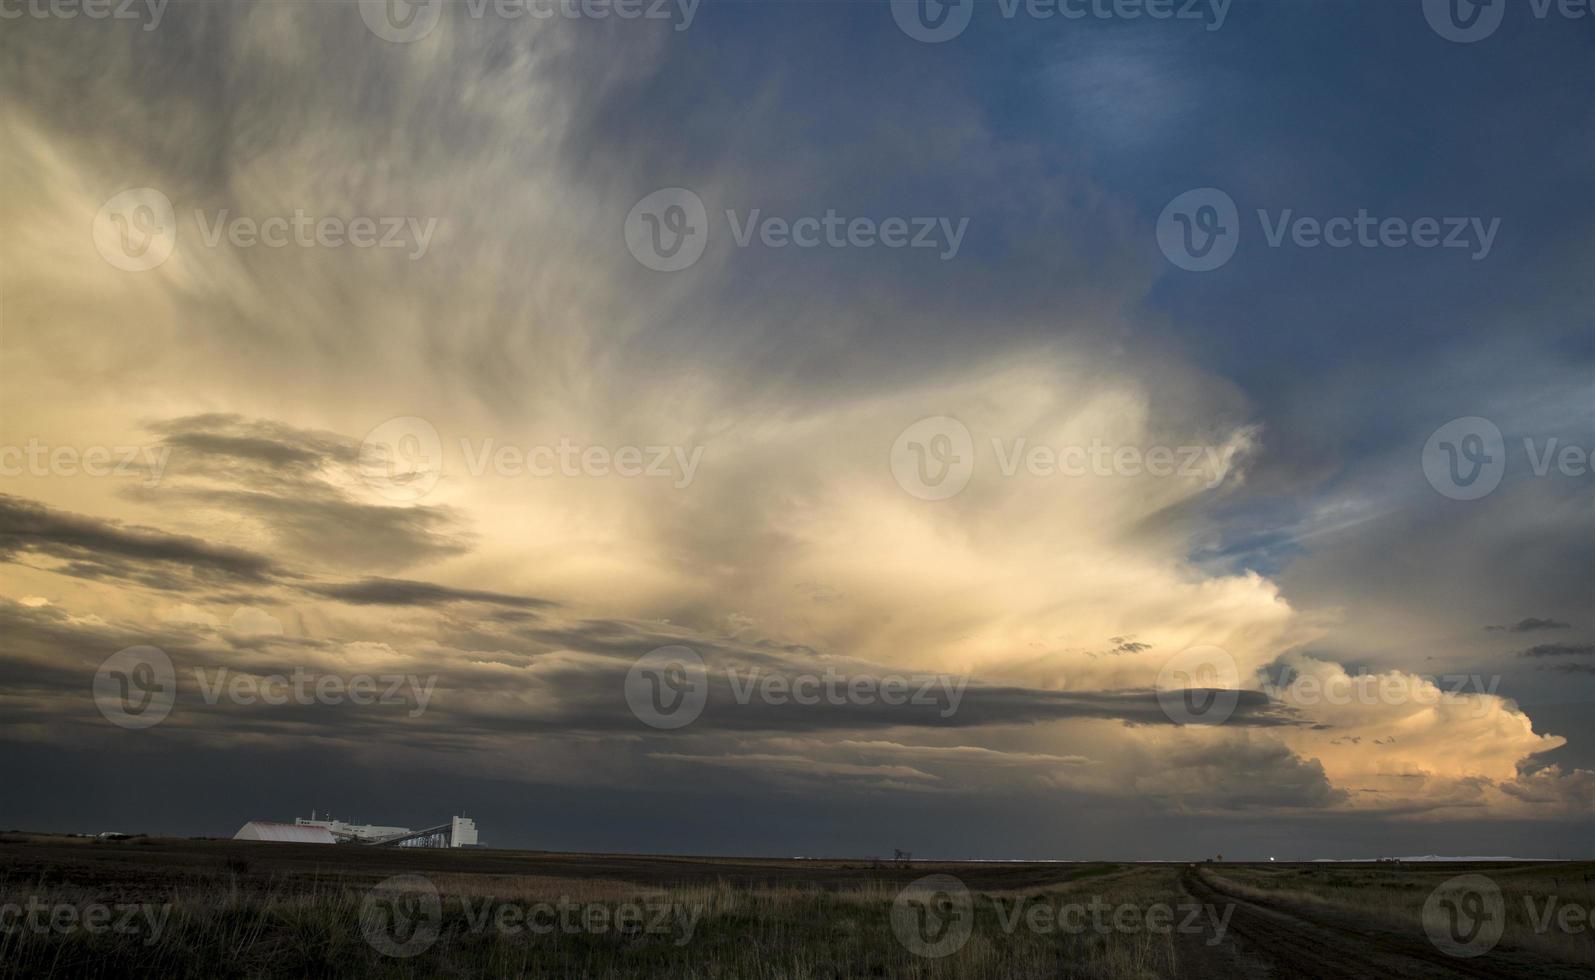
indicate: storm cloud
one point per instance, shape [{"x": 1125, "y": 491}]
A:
[{"x": 346, "y": 430}]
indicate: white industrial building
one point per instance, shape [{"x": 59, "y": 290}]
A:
[
  {"x": 360, "y": 833},
  {"x": 287, "y": 833},
  {"x": 458, "y": 832}
]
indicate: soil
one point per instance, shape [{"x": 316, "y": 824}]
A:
[{"x": 1270, "y": 940}]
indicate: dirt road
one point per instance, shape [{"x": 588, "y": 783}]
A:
[{"x": 1269, "y": 941}]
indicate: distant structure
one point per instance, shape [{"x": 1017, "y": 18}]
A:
[
  {"x": 364, "y": 833},
  {"x": 458, "y": 832},
  {"x": 285, "y": 833}
]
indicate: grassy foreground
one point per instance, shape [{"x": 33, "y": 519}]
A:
[
  {"x": 80, "y": 908},
  {"x": 762, "y": 933},
  {"x": 240, "y": 912}
]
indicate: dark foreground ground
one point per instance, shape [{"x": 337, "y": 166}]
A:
[{"x": 73, "y": 907}]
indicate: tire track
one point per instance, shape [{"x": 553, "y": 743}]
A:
[{"x": 1329, "y": 948}]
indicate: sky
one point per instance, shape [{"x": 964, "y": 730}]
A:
[{"x": 993, "y": 430}]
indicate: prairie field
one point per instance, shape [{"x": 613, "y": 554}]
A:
[{"x": 75, "y": 907}]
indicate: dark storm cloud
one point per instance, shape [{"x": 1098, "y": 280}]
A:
[
  {"x": 91, "y": 548},
  {"x": 404, "y": 592},
  {"x": 487, "y": 711},
  {"x": 1560, "y": 650},
  {"x": 288, "y": 479},
  {"x": 569, "y": 697},
  {"x": 1246, "y": 775},
  {"x": 511, "y": 616},
  {"x": 633, "y": 638},
  {"x": 47, "y": 637},
  {"x": 614, "y": 637},
  {"x": 1530, "y": 625},
  {"x": 48, "y": 660},
  {"x": 324, "y": 525},
  {"x": 978, "y": 707},
  {"x": 88, "y": 790},
  {"x": 589, "y": 696},
  {"x": 263, "y": 443},
  {"x": 46, "y": 651},
  {"x": 1128, "y": 644},
  {"x": 313, "y": 519},
  {"x": 49, "y": 631}
]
